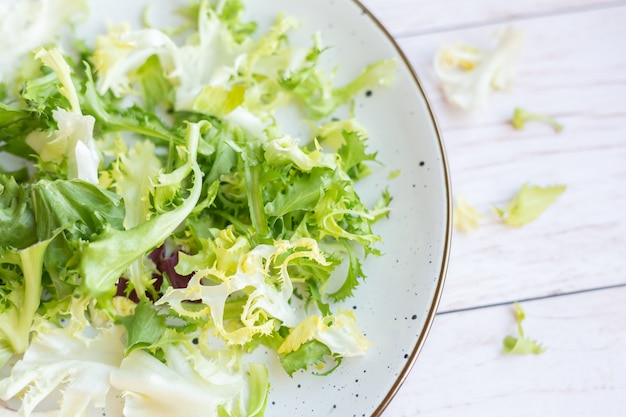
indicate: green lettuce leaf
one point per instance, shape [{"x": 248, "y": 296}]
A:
[
  {"x": 20, "y": 294},
  {"x": 144, "y": 327},
  {"x": 17, "y": 220},
  {"x": 521, "y": 345},
  {"x": 108, "y": 256},
  {"x": 309, "y": 354},
  {"x": 156, "y": 87},
  {"x": 521, "y": 117},
  {"x": 529, "y": 203},
  {"x": 318, "y": 94}
]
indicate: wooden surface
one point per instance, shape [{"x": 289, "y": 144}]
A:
[{"x": 567, "y": 268}]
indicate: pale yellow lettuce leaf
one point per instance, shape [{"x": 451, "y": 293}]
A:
[
  {"x": 468, "y": 75},
  {"x": 465, "y": 217}
]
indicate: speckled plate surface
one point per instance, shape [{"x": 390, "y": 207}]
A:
[{"x": 396, "y": 304}]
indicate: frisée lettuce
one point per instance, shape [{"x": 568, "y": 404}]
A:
[{"x": 163, "y": 224}]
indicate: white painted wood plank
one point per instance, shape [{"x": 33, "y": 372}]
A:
[
  {"x": 462, "y": 372},
  {"x": 407, "y": 17},
  {"x": 571, "y": 68}
]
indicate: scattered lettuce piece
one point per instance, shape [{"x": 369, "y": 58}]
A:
[
  {"x": 521, "y": 116},
  {"x": 465, "y": 217},
  {"x": 394, "y": 174},
  {"x": 521, "y": 345},
  {"x": 529, "y": 203},
  {"x": 468, "y": 75}
]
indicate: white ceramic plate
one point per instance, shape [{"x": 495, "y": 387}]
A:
[{"x": 396, "y": 304}]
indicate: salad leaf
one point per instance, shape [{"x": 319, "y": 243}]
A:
[
  {"x": 468, "y": 75},
  {"x": 312, "y": 353},
  {"x": 355, "y": 272},
  {"x": 71, "y": 144},
  {"x": 28, "y": 25},
  {"x": 521, "y": 117},
  {"x": 300, "y": 194},
  {"x": 266, "y": 304},
  {"x": 185, "y": 384},
  {"x": 54, "y": 60},
  {"x": 353, "y": 155},
  {"x": 105, "y": 259},
  {"x": 286, "y": 150},
  {"x": 144, "y": 327},
  {"x": 20, "y": 292},
  {"x": 112, "y": 116},
  {"x": 156, "y": 87},
  {"x": 217, "y": 101},
  {"x": 529, "y": 203},
  {"x": 258, "y": 392},
  {"x": 318, "y": 94},
  {"x": 521, "y": 345},
  {"x": 465, "y": 217},
  {"x": 17, "y": 220},
  {"x": 74, "y": 205},
  {"x": 60, "y": 358},
  {"x": 164, "y": 214},
  {"x": 15, "y": 125},
  {"x": 336, "y": 331}
]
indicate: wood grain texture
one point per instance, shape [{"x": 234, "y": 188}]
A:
[
  {"x": 462, "y": 372},
  {"x": 570, "y": 68},
  {"x": 411, "y": 17}
]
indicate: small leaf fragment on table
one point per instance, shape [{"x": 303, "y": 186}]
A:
[
  {"x": 521, "y": 345},
  {"x": 468, "y": 75},
  {"x": 521, "y": 116},
  {"x": 465, "y": 217},
  {"x": 529, "y": 203}
]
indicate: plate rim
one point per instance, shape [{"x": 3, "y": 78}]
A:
[{"x": 432, "y": 311}]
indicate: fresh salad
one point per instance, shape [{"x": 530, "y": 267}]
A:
[{"x": 158, "y": 224}]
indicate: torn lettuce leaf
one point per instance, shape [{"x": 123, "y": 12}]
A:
[
  {"x": 185, "y": 383},
  {"x": 68, "y": 362},
  {"x": 17, "y": 220},
  {"x": 337, "y": 331},
  {"x": 468, "y": 75},
  {"x": 465, "y": 217},
  {"x": 529, "y": 203},
  {"x": 521, "y": 345},
  {"x": 20, "y": 295},
  {"x": 72, "y": 145}
]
